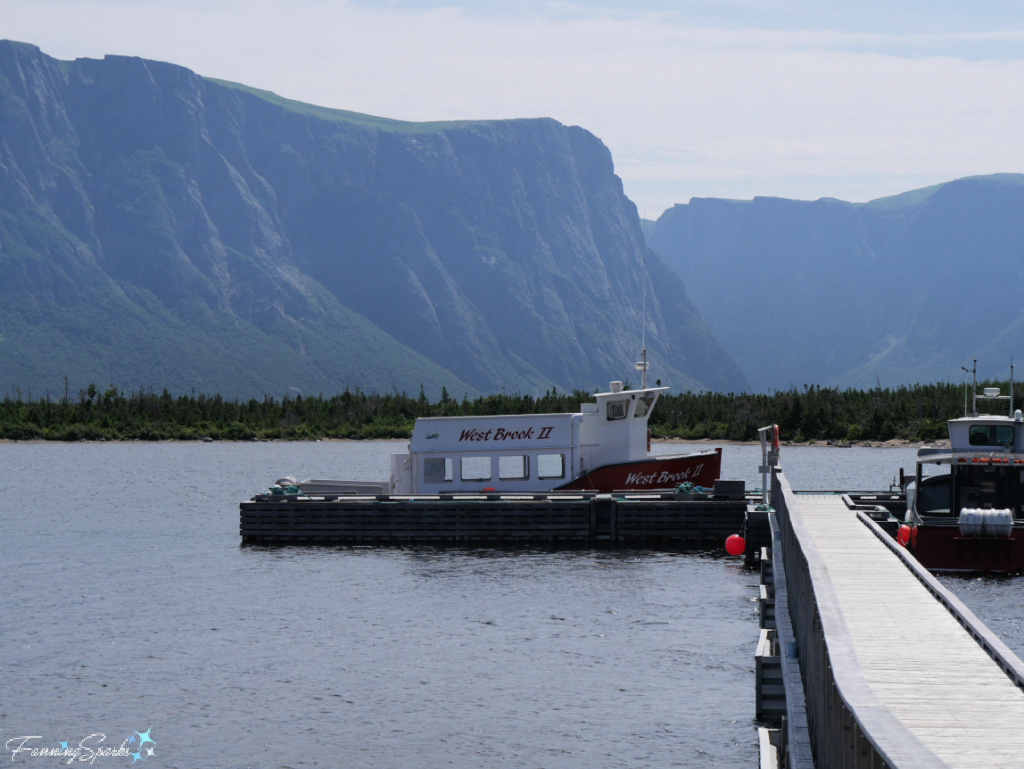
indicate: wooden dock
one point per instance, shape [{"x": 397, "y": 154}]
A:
[
  {"x": 897, "y": 672},
  {"x": 566, "y": 517}
]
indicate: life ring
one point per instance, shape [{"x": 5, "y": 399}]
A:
[{"x": 775, "y": 438}]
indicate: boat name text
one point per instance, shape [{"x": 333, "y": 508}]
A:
[
  {"x": 500, "y": 434},
  {"x": 663, "y": 478}
]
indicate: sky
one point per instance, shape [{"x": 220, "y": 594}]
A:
[{"x": 695, "y": 98}]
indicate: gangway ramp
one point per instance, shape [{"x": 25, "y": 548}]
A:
[{"x": 897, "y": 672}]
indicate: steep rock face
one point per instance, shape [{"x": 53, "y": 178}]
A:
[
  {"x": 160, "y": 228},
  {"x": 899, "y": 290}
]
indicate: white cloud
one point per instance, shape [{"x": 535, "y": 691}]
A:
[{"x": 687, "y": 111}]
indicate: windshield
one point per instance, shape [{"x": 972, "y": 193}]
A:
[
  {"x": 991, "y": 435},
  {"x": 644, "y": 404}
]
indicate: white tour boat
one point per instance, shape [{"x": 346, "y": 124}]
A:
[{"x": 603, "y": 447}]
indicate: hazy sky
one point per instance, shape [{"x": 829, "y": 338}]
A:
[{"x": 724, "y": 98}]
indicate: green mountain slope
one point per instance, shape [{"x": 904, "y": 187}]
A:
[{"x": 161, "y": 229}]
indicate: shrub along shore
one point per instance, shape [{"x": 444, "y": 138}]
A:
[{"x": 916, "y": 413}]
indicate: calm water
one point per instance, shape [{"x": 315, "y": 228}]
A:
[{"x": 128, "y": 603}]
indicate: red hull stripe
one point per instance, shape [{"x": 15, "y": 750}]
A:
[{"x": 646, "y": 474}]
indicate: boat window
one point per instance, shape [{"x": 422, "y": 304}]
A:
[
  {"x": 991, "y": 435},
  {"x": 475, "y": 468},
  {"x": 644, "y": 404},
  {"x": 513, "y": 468},
  {"x": 550, "y": 466},
  {"x": 617, "y": 409},
  {"x": 438, "y": 470}
]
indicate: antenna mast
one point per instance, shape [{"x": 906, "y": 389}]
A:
[
  {"x": 642, "y": 365},
  {"x": 974, "y": 389},
  {"x": 964, "y": 369}
]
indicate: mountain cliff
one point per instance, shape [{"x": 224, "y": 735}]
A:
[
  {"x": 160, "y": 229},
  {"x": 899, "y": 290}
]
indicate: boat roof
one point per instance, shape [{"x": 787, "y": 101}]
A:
[
  {"x": 955, "y": 457},
  {"x": 982, "y": 419},
  {"x": 635, "y": 391}
]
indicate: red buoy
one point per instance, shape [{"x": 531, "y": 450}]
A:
[
  {"x": 735, "y": 545},
  {"x": 904, "y": 535}
]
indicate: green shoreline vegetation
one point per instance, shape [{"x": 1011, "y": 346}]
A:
[{"x": 916, "y": 413}]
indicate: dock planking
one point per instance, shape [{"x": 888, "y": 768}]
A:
[{"x": 921, "y": 667}]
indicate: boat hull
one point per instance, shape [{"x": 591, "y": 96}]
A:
[
  {"x": 701, "y": 469},
  {"x": 942, "y": 548}
]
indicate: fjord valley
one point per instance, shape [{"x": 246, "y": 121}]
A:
[
  {"x": 896, "y": 291},
  {"x": 162, "y": 230}
]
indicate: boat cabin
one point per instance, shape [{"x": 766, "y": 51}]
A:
[
  {"x": 987, "y": 434},
  {"x": 946, "y": 484},
  {"x": 525, "y": 452}
]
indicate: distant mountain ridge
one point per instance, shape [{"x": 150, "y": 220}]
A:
[
  {"x": 159, "y": 229},
  {"x": 900, "y": 290}
]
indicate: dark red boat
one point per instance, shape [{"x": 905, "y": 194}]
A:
[{"x": 964, "y": 507}]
